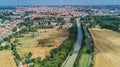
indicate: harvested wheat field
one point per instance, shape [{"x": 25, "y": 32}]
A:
[
  {"x": 36, "y": 51},
  {"x": 7, "y": 59},
  {"x": 107, "y": 43},
  {"x": 48, "y": 42}
]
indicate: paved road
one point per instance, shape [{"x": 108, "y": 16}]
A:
[{"x": 74, "y": 55}]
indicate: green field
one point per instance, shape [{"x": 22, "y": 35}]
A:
[{"x": 84, "y": 60}]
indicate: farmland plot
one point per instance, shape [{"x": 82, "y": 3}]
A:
[
  {"x": 107, "y": 45},
  {"x": 7, "y": 59},
  {"x": 41, "y": 50}
]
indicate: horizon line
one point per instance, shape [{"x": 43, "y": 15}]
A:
[{"x": 57, "y": 5}]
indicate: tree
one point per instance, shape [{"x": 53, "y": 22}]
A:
[
  {"x": 60, "y": 19},
  {"x": 33, "y": 35},
  {"x": 6, "y": 47},
  {"x": 36, "y": 60},
  {"x": 14, "y": 29},
  {"x": 24, "y": 30},
  {"x": 1, "y": 47},
  {"x": 1, "y": 41},
  {"x": 29, "y": 55},
  {"x": 7, "y": 39}
]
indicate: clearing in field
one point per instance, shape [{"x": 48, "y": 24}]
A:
[
  {"x": 7, "y": 59},
  {"x": 107, "y": 44},
  {"x": 41, "y": 44}
]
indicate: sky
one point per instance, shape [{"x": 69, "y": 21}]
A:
[{"x": 57, "y": 2}]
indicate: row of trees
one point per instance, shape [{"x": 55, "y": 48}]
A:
[
  {"x": 8, "y": 38},
  {"x": 17, "y": 57},
  {"x": 108, "y": 22},
  {"x": 6, "y": 47},
  {"x": 8, "y": 43}
]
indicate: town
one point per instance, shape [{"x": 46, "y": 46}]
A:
[{"x": 52, "y": 36}]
